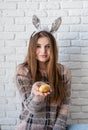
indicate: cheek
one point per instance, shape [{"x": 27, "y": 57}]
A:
[
  {"x": 37, "y": 53},
  {"x": 48, "y": 52}
]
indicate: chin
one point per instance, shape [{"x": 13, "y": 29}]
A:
[{"x": 43, "y": 60}]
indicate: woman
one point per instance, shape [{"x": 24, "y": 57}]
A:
[{"x": 43, "y": 111}]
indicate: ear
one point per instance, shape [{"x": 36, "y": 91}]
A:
[
  {"x": 36, "y": 21},
  {"x": 56, "y": 25}
]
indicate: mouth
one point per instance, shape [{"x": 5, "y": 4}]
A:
[{"x": 43, "y": 56}]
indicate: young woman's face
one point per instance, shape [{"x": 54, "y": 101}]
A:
[{"x": 43, "y": 47}]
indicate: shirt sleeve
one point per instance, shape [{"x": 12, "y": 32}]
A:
[
  {"x": 60, "y": 123},
  {"x": 24, "y": 85}
]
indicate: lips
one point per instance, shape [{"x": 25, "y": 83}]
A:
[{"x": 43, "y": 56}]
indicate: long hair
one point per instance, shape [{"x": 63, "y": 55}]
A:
[{"x": 52, "y": 68}]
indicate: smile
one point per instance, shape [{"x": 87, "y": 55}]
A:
[{"x": 43, "y": 56}]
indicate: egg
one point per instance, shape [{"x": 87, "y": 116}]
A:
[{"x": 44, "y": 88}]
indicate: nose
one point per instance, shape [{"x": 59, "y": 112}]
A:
[{"x": 43, "y": 49}]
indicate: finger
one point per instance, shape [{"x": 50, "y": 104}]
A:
[{"x": 39, "y": 83}]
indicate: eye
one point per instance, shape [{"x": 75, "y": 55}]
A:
[
  {"x": 38, "y": 46},
  {"x": 48, "y": 46}
]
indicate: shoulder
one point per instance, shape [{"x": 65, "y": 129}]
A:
[
  {"x": 22, "y": 69},
  {"x": 64, "y": 72}
]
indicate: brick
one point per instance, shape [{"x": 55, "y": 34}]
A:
[
  {"x": 69, "y": 50},
  {"x": 9, "y": 121},
  {"x": 21, "y": 36},
  {"x": 63, "y": 58},
  {"x": 39, "y": 0},
  {"x": 13, "y": 13},
  {"x": 76, "y": 12},
  {"x": 15, "y": 58},
  {"x": 84, "y": 50},
  {"x": 84, "y": 65},
  {"x": 23, "y": 20},
  {"x": 57, "y": 13},
  {"x": 7, "y": 6},
  {"x": 74, "y": 65},
  {"x": 6, "y": 20},
  {"x": 79, "y": 115},
  {"x": 1, "y": 43},
  {"x": 79, "y": 28},
  {"x": 7, "y": 127},
  {"x": 71, "y": 20},
  {"x": 49, "y": 5},
  {"x": 75, "y": 108},
  {"x": 10, "y": 114},
  {"x": 79, "y": 101},
  {"x": 6, "y": 35},
  {"x": 2, "y": 114},
  {"x": 81, "y": 43},
  {"x": 8, "y": 107},
  {"x": 2, "y": 71},
  {"x": 15, "y": 43},
  {"x": 7, "y": 50},
  {"x": 74, "y": 121},
  {"x": 76, "y": 73},
  {"x": 14, "y": 0},
  {"x": 2, "y": 58},
  {"x": 14, "y": 28},
  {"x": 21, "y": 50},
  {"x": 41, "y": 13},
  {"x": 79, "y": 87},
  {"x": 10, "y": 94},
  {"x": 85, "y": 80},
  {"x": 83, "y": 94},
  {"x": 7, "y": 65},
  {"x": 83, "y": 121},
  {"x": 84, "y": 108},
  {"x": 1, "y": 28},
  {"x": 84, "y": 58},
  {"x": 71, "y": 5},
  {"x": 84, "y": 20},
  {"x": 19, "y": 107},
  {"x": 28, "y": 5},
  {"x": 84, "y": 36},
  {"x": 75, "y": 94},
  {"x": 63, "y": 43},
  {"x": 30, "y": 29},
  {"x": 10, "y": 86},
  {"x": 68, "y": 36},
  {"x": 3, "y": 100},
  {"x": 14, "y": 99},
  {"x": 84, "y": 72},
  {"x": 78, "y": 57},
  {"x": 2, "y": 93},
  {"x": 64, "y": 28},
  {"x": 76, "y": 80},
  {"x": 85, "y": 3}
]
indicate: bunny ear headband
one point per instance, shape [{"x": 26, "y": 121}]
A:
[{"x": 55, "y": 26}]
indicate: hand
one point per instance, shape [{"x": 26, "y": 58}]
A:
[{"x": 35, "y": 89}]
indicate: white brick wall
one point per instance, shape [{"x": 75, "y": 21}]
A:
[{"x": 15, "y": 29}]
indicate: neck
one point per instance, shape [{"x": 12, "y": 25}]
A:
[{"x": 42, "y": 66}]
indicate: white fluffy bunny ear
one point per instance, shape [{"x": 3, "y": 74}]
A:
[
  {"x": 56, "y": 25},
  {"x": 36, "y": 21}
]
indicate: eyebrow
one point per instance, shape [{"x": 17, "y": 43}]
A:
[{"x": 40, "y": 44}]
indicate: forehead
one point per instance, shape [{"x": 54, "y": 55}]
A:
[{"x": 43, "y": 40}]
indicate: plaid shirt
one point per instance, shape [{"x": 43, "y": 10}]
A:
[{"x": 41, "y": 114}]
